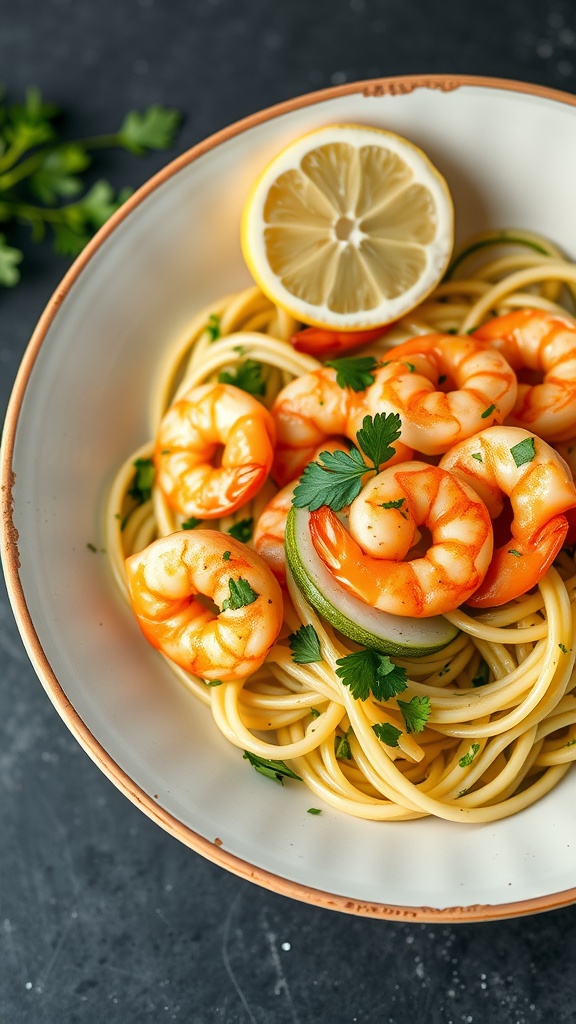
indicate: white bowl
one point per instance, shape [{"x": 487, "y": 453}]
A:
[{"x": 78, "y": 408}]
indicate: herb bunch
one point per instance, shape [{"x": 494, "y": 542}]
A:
[{"x": 41, "y": 183}]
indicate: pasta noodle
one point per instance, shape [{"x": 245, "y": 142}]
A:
[{"x": 502, "y": 727}]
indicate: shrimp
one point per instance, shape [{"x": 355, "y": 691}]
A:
[
  {"x": 270, "y": 529},
  {"x": 541, "y": 343},
  {"x": 320, "y": 343},
  {"x": 414, "y": 382},
  {"x": 388, "y": 511},
  {"x": 187, "y": 441},
  {"x": 164, "y": 581},
  {"x": 308, "y": 411},
  {"x": 511, "y": 461}
]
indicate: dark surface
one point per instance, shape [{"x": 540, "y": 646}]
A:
[{"x": 103, "y": 917}]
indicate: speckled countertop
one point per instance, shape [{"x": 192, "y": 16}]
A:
[{"x": 104, "y": 919}]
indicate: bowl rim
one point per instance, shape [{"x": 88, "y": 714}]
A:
[{"x": 213, "y": 850}]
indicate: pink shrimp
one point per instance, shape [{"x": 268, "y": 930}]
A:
[{"x": 320, "y": 343}]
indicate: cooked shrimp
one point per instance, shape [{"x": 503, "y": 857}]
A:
[
  {"x": 187, "y": 442},
  {"x": 414, "y": 384},
  {"x": 510, "y": 461},
  {"x": 544, "y": 343},
  {"x": 270, "y": 529},
  {"x": 389, "y": 510},
  {"x": 320, "y": 343},
  {"x": 164, "y": 581},
  {"x": 308, "y": 411}
]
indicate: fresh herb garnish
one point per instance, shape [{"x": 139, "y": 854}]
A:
[
  {"x": 141, "y": 488},
  {"x": 214, "y": 682},
  {"x": 305, "y": 645},
  {"x": 523, "y": 452},
  {"x": 190, "y": 524},
  {"x": 91, "y": 547},
  {"x": 513, "y": 551},
  {"x": 314, "y": 810},
  {"x": 342, "y": 748},
  {"x": 39, "y": 175},
  {"x": 276, "y": 770},
  {"x": 314, "y": 712},
  {"x": 227, "y": 555},
  {"x": 563, "y": 648},
  {"x": 337, "y": 478},
  {"x": 241, "y": 594},
  {"x": 393, "y": 504},
  {"x": 242, "y": 530},
  {"x": 482, "y": 676},
  {"x": 247, "y": 376},
  {"x": 469, "y": 756},
  {"x": 354, "y": 371},
  {"x": 212, "y": 328},
  {"x": 387, "y": 733},
  {"x": 477, "y": 456},
  {"x": 365, "y": 672},
  {"x": 415, "y": 713},
  {"x": 487, "y": 412}
]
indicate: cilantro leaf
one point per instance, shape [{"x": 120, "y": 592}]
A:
[
  {"x": 387, "y": 733},
  {"x": 368, "y": 671},
  {"x": 9, "y": 260},
  {"x": 376, "y": 437},
  {"x": 354, "y": 371},
  {"x": 469, "y": 755},
  {"x": 415, "y": 713},
  {"x": 276, "y": 770},
  {"x": 153, "y": 128},
  {"x": 241, "y": 594},
  {"x": 523, "y": 452},
  {"x": 305, "y": 645},
  {"x": 242, "y": 530},
  {"x": 247, "y": 376},
  {"x": 334, "y": 481},
  {"x": 141, "y": 489}
]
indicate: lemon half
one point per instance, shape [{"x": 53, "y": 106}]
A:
[{"x": 349, "y": 227}]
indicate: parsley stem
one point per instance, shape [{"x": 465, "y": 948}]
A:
[
  {"x": 12, "y": 156},
  {"x": 24, "y": 169},
  {"x": 34, "y": 213}
]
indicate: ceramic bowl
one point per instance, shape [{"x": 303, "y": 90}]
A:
[{"x": 79, "y": 406}]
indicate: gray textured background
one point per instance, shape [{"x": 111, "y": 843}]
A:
[{"x": 103, "y": 917}]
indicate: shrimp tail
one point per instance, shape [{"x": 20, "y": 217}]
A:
[{"x": 516, "y": 566}]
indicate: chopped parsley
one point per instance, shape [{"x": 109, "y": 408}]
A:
[
  {"x": 365, "y": 672},
  {"x": 393, "y": 504},
  {"x": 513, "y": 551},
  {"x": 141, "y": 489},
  {"x": 305, "y": 645},
  {"x": 190, "y": 524},
  {"x": 563, "y": 648},
  {"x": 477, "y": 456},
  {"x": 276, "y": 770},
  {"x": 247, "y": 376},
  {"x": 342, "y": 748},
  {"x": 314, "y": 712},
  {"x": 212, "y": 328},
  {"x": 469, "y": 756},
  {"x": 214, "y": 682},
  {"x": 314, "y": 810},
  {"x": 226, "y": 556},
  {"x": 241, "y": 594},
  {"x": 337, "y": 478},
  {"x": 91, "y": 547},
  {"x": 482, "y": 676},
  {"x": 242, "y": 530},
  {"x": 415, "y": 713},
  {"x": 487, "y": 412},
  {"x": 387, "y": 733},
  {"x": 354, "y": 371},
  {"x": 524, "y": 451}
]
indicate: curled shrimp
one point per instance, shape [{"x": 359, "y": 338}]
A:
[
  {"x": 512, "y": 462},
  {"x": 308, "y": 411},
  {"x": 321, "y": 343},
  {"x": 270, "y": 528},
  {"x": 188, "y": 440},
  {"x": 164, "y": 581},
  {"x": 544, "y": 343},
  {"x": 388, "y": 511},
  {"x": 415, "y": 383}
]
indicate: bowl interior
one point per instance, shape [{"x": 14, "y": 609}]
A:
[{"x": 508, "y": 157}]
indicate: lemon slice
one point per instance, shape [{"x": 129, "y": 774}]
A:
[{"x": 349, "y": 227}]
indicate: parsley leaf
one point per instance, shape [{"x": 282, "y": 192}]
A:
[
  {"x": 469, "y": 756},
  {"x": 487, "y": 412},
  {"x": 276, "y": 770},
  {"x": 241, "y": 594},
  {"x": 305, "y": 645},
  {"x": 376, "y": 437},
  {"x": 387, "y": 733},
  {"x": 213, "y": 327},
  {"x": 354, "y": 371},
  {"x": 368, "y": 671},
  {"x": 154, "y": 128},
  {"x": 342, "y": 748},
  {"x": 9, "y": 260},
  {"x": 523, "y": 452},
  {"x": 393, "y": 504},
  {"x": 513, "y": 551},
  {"x": 190, "y": 524},
  {"x": 242, "y": 530},
  {"x": 57, "y": 177},
  {"x": 226, "y": 556},
  {"x": 314, "y": 810},
  {"x": 247, "y": 376},
  {"x": 415, "y": 713},
  {"x": 141, "y": 489},
  {"x": 477, "y": 456}
]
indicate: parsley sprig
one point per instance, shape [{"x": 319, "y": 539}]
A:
[
  {"x": 41, "y": 176},
  {"x": 336, "y": 479},
  {"x": 305, "y": 645},
  {"x": 241, "y": 594},
  {"x": 276, "y": 770},
  {"x": 247, "y": 376},
  {"x": 365, "y": 672},
  {"x": 354, "y": 372}
]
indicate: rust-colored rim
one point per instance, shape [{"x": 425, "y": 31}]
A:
[{"x": 214, "y": 851}]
